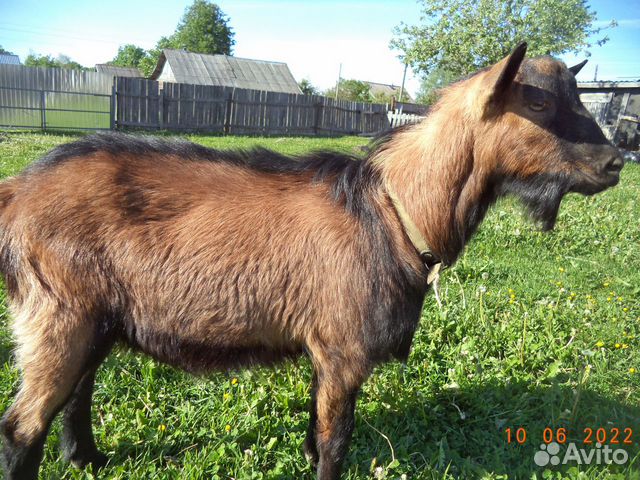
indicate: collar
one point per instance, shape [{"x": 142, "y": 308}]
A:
[{"x": 433, "y": 263}]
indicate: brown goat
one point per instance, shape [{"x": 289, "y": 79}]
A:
[{"x": 212, "y": 260}]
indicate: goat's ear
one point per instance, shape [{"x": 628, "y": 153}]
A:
[
  {"x": 506, "y": 70},
  {"x": 576, "y": 68}
]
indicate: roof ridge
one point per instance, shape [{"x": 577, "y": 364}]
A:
[
  {"x": 226, "y": 70},
  {"x": 223, "y": 55}
]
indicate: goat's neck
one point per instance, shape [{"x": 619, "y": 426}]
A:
[{"x": 433, "y": 172}]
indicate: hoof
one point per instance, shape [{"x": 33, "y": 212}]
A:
[
  {"x": 311, "y": 453},
  {"x": 96, "y": 459}
]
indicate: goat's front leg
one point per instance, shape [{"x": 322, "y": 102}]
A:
[
  {"x": 335, "y": 406},
  {"x": 310, "y": 448}
]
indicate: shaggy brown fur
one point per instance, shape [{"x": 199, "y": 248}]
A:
[{"x": 213, "y": 260}]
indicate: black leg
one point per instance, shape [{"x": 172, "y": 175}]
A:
[
  {"x": 310, "y": 448},
  {"x": 54, "y": 353},
  {"x": 78, "y": 443},
  {"x": 20, "y": 461},
  {"x": 336, "y": 408}
]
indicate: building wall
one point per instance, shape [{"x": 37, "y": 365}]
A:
[
  {"x": 619, "y": 119},
  {"x": 167, "y": 74}
]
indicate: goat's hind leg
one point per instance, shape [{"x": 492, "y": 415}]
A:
[{"x": 53, "y": 347}]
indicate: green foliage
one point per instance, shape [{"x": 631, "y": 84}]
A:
[
  {"x": 307, "y": 88},
  {"x": 150, "y": 61},
  {"x": 2, "y": 50},
  {"x": 61, "y": 61},
  {"x": 204, "y": 28},
  {"x": 129, "y": 56},
  {"x": 35, "y": 60},
  {"x": 535, "y": 330},
  {"x": 357, "y": 91},
  {"x": 353, "y": 90},
  {"x": 382, "y": 98},
  {"x": 461, "y": 36},
  {"x": 431, "y": 84}
]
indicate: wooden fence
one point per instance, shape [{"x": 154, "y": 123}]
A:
[
  {"x": 54, "y": 98},
  {"x": 50, "y": 98},
  {"x": 410, "y": 108},
  {"x": 397, "y": 118},
  {"x": 148, "y": 104}
]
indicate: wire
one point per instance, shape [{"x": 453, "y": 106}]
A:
[{"x": 43, "y": 32}]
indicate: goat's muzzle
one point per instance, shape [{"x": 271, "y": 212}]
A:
[{"x": 599, "y": 172}]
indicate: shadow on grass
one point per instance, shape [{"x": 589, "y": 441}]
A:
[
  {"x": 460, "y": 432},
  {"x": 465, "y": 431}
]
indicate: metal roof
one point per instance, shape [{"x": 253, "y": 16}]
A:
[
  {"x": 118, "y": 71},
  {"x": 223, "y": 70},
  {"x": 389, "y": 90},
  {"x": 609, "y": 84},
  {"x": 9, "y": 59}
]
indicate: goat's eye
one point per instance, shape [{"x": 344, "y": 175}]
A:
[{"x": 538, "y": 106}]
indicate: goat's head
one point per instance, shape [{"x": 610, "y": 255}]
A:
[{"x": 541, "y": 140}]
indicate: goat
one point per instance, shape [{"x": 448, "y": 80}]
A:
[{"x": 209, "y": 260}]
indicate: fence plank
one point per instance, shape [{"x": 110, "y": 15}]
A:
[
  {"x": 177, "y": 106},
  {"x": 54, "y": 98}
]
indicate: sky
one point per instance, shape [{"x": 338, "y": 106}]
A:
[{"x": 314, "y": 37}]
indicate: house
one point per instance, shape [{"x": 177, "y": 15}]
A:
[
  {"x": 222, "y": 70},
  {"x": 9, "y": 59},
  {"x": 115, "y": 71},
  {"x": 616, "y": 108},
  {"x": 389, "y": 91}
]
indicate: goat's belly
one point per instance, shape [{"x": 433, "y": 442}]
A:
[{"x": 199, "y": 355}]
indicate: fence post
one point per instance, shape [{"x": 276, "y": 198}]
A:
[
  {"x": 227, "y": 113},
  {"x": 43, "y": 108},
  {"x": 161, "y": 108},
  {"x": 112, "y": 109},
  {"x": 317, "y": 108}
]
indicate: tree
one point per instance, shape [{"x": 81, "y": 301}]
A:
[
  {"x": 353, "y": 90},
  {"x": 149, "y": 62},
  {"x": 432, "y": 83},
  {"x": 307, "y": 88},
  {"x": 461, "y": 36},
  {"x": 129, "y": 56},
  {"x": 382, "y": 97},
  {"x": 204, "y": 29},
  {"x": 7, "y": 52},
  {"x": 35, "y": 60},
  {"x": 62, "y": 61}
]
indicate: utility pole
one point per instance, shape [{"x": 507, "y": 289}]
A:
[
  {"x": 595, "y": 75},
  {"x": 404, "y": 76},
  {"x": 338, "y": 84}
]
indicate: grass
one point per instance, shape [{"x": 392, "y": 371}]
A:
[{"x": 535, "y": 331}]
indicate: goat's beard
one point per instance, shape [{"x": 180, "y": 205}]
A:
[{"x": 541, "y": 196}]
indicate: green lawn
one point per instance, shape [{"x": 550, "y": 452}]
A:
[{"x": 535, "y": 330}]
